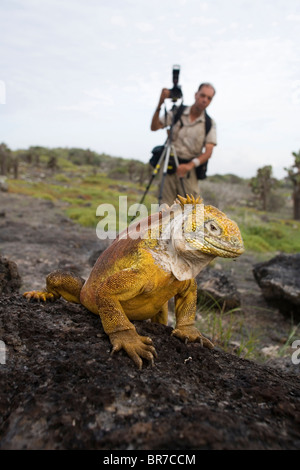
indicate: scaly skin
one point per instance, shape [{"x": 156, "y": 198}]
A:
[{"x": 136, "y": 276}]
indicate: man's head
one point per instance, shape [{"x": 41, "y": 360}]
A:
[{"x": 204, "y": 96}]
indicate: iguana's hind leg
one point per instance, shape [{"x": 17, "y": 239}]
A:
[{"x": 59, "y": 284}]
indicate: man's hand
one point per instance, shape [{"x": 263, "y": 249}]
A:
[
  {"x": 155, "y": 123},
  {"x": 184, "y": 168},
  {"x": 165, "y": 94}
]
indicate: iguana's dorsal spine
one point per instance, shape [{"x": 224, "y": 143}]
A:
[{"x": 188, "y": 200}]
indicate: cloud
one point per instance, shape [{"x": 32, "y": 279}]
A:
[
  {"x": 86, "y": 107},
  {"x": 108, "y": 45},
  {"x": 175, "y": 36},
  {"x": 118, "y": 20},
  {"x": 203, "y": 20},
  {"x": 111, "y": 59},
  {"x": 98, "y": 100},
  {"x": 145, "y": 27},
  {"x": 2, "y": 92},
  {"x": 293, "y": 17},
  {"x": 103, "y": 98}
]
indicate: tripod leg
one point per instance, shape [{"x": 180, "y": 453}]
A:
[
  {"x": 181, "y": 178},
  {"x": 154, "y": 173},
  {"x": 161, "y": 188},
  {"x": 147, "y": 189},
  {"x": 165, "y": 171},
  {"x": 182, "y": 185}
]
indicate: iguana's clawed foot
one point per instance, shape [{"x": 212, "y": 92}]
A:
[
  {"x": 191, "y": 334},
  {"x": 39, "y": 295},
  {"x": 137, "y": 347}
]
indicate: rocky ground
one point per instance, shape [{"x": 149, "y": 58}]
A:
[{"x": 61, "y": 389}]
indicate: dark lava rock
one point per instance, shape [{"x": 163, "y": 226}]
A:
[
  {"x": 216, "y": 286},
  {"x": 61, "y": 389},
  {"x": 10, "y": 280},
  {"x": 279, "y": 281}
]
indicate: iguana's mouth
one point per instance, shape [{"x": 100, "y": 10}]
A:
[{"x": 232, "y": 251}]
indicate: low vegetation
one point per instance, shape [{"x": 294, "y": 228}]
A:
[{"x": 80, "y": 180}]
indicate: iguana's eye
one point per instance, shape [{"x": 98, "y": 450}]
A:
[{"x": 213, "y": 228}]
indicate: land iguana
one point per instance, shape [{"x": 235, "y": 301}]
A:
[{"x": 150, "y": 262}]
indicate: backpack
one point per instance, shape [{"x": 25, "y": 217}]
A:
[{"x": 158, "y": 150}]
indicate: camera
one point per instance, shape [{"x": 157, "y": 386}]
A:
[{"x": 175, "y": 92}]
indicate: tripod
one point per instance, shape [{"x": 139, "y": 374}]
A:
[{"x": 163, "y": 162}]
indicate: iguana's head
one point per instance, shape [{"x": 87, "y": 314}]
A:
[{"x": 207, "y": 230}]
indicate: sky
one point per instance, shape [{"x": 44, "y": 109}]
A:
[{"x": 89, "y": 75}]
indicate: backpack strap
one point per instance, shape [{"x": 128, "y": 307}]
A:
[
  {"x": 208, "y": 123},
  {"x": 178, "y": 115},
  {"x": 208, "y": 120}
]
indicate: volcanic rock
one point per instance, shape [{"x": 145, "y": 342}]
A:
[
  {"x": 10, "y": 280},
  {"x": 279, "y": 281},
  {"x": 61, "y": 389},
  {"x": 217, "y": 288}
]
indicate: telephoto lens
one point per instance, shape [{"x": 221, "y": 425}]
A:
[{"x": 175, "y": 92}]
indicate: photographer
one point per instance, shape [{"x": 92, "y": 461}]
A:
[{"x": 190, "y": 140}]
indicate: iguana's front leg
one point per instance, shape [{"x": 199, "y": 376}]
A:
[
  {"x": 185, "y": 310},
  {"x": 122, "y": 333},
  {"x": 118, "y": 288}
]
